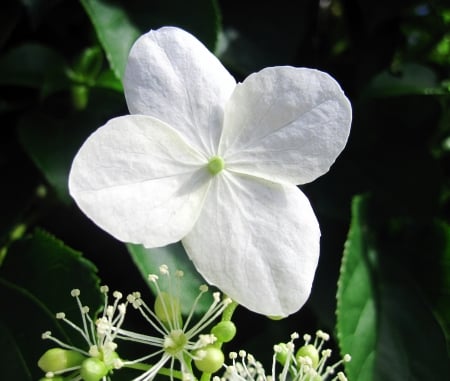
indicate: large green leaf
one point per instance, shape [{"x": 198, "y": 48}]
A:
[
  {"x": 174, "y": 256},
  {"x": 118, "y": 25},
  {"x": 382, "y": 313},
  {"x": 35, "y": 283},
  {"x": 356, "y": 316}
]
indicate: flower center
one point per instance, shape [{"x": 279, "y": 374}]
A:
[
  {"x": 175, "y": 341},
  {"x": 215, "y": 165}
]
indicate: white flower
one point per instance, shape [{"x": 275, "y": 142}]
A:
[
  {"x": 177, "y": 342},
  {"x": 100, "y": 337},
  {"x": 215, "y": 164},
  {"x": 308, "y": 364}
]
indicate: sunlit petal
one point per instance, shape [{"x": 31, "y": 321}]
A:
[
  {"x": 139, "y": 180},
  {"x": 285, "y": 124},
  {"x": 258, "y": 242},
  {"x": 172, "y": 76}
]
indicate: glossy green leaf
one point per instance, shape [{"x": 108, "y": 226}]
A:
[
  {"x": 356, "y": 315},
  {"x": 174, "y": 256},
  {"x": 118, "y": 25},
  {"x": 35, "y": 283},
  {"x": 380, "y": 308},
  {"x": 411, "y": 344},
  {"x": 35, "y": 66},
  {"x": 115, "y": 30}
]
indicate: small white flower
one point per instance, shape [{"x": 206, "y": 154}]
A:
[
  {"x": 308, "y": 364},
  {"x": 99, "y": 335},
  {"x": 176, "y": 342},
  {"x": 215, "y": 164}
]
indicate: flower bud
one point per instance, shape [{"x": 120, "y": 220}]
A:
[
  {"x": 167, "y": 308},
  {"x": 282, "y": 353},
  {"x": 80, "y": 96},
  {"x": 311, "y": 352},
  {"x": 224, "y": 331},
  {"x": 56, "y": 359},
  {"x": 209, "y": 359},
  {"x": 93, "y": 369}
]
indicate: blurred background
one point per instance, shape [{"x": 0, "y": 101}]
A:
[{"x": 61, "y": 63}]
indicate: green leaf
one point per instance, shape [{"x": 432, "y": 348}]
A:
[
  {"x": 115, "y": 30},
  {"x": 412, "y": 79},
  {"x": 118, "y": 25},
  {"x": 46, "y": 141},
  {"x": 356, "y": 317},
  {"x": 35, "y": 282},
  {"x": 411, "y": 343},
  {"x": 174, "y": 256},
  {"x": 35, "y": 66},
  {"x": 441, "y": 304},
  {"x": 382, "y": 314}
]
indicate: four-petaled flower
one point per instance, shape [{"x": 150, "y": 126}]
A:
[{"x": 215, "y": 164}]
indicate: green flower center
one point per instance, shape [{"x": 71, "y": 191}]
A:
[
  {"x": 175, "y": 341},
  {"x": 215, "y": 165}
]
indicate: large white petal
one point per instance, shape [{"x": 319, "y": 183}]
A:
[
  {"x": 258, "y": 242},
  {"x": 137, "y": 179},
  {"x": 172, "y": 76},
  {"x": 285, "y": 124}
]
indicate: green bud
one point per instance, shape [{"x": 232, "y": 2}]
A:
[
  {"x": 93, "y": 369},
  {"x": 224, "y": 331},
  {"x": 310, "y": 351},
  {"x": 282, "y": 353},
  {"x": 56, "y": 359},
  {"x": 80, "y": 96},
  {"x": 210, "y": 359},
  {"x": 56, "y": 378},
  {"x": 168, "y": 308}
]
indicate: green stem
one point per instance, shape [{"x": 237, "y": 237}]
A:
[
  {"x": 229, "y": 310},
  {"x": 164, "y": 371},
  {"x": 205, "y": 377}
]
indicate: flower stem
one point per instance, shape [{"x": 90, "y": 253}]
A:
[
  {"x": 229, "y": 310},
  {"x": 164, "y": 371},
  {"x": 205, "y": 377}
]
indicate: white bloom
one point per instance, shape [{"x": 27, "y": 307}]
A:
[
  {"x": 177, "y": 342},
  {"x": 100, "y": 335},
  {"x": 215, "y": 164},
  {"x": 308, "y": 364}
]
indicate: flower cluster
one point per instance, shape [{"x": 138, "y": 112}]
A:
[
  {"x": 181, "y": 346},
  {"x": 99, "y": 357},
  {"x": 180, "y": 341},
  {"x": 308, "y": 363},
  {"x": 177, "y": 342}
]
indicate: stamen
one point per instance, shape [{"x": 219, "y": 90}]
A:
[{"x": 164, "y": 269}]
